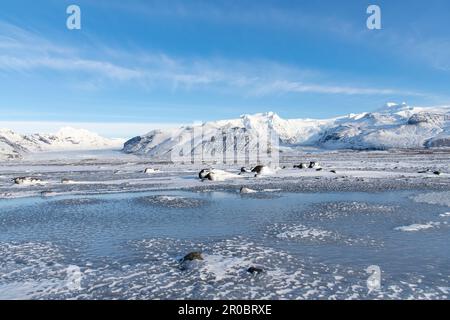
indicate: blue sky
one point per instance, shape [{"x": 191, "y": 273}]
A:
[{"x": 154, "y": 63}]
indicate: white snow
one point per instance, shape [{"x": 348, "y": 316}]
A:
[
  {"x": 14, "y": 145},
  {"x": 222, "y": 175},
  {"x": 393, "y": 126},
  {"x": 247, "y": 190}
]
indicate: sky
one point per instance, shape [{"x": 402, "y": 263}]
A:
[{"x": 147, "y": 64}]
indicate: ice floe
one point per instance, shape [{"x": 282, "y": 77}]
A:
[{"x": 418, "y": 226}]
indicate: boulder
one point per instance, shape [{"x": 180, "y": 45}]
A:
[
  {"x": 255, "y": 270},
  {"x": 191, "y": 256},
  {"x": 245, "y": 190},
  {"x": 27, "y": 180}
]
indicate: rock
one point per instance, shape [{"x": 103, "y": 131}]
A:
[
  {"x": 333, "y": 171},
  {"x": 314, "y": 165},
  {"x": 245, "y": 190},
  {"x": 262, "y": 170},
  {"x": 216, "y": 175},
  {"x": 255, "y": 270},
  {"x": 245, "y": 170},
  {"x": 66, "y": 181},
  {"x": 258, "y": 169},
  {"x": 438, "y": 173},
  {"x": 204, "y": 173},
  {"x": 150, "y": 170},
  {"x": 47, "y": 193},
  {"x": 319, "y": 169},
  {"x": 300, "y": 166},
  {"x": 210, "y": 176},
  {"x": 27, "y": 180},
  {"x": 192, "y": 256}
]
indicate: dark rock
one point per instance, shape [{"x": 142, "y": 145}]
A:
[
  {"x": 438, "y": 173},
  {"x": 192, "y": 256},
  {"x": 254, "y": 270},
  {"x": 313, "y": 165},
  {"x": 258, "y": 169},
  {"x": 203, "y": 174}
]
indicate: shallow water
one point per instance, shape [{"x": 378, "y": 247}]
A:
[{"x": 312, "y": 245}]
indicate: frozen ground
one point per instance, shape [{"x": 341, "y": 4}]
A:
[
  {"x": 112, "y": 231},
  {"x": 108, "y": 171}
]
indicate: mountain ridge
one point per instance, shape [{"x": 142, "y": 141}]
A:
[
  {"x": 14, "y": 145},
  {"x": 392, "y": 126}
]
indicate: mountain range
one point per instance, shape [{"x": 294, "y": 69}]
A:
[
  {"x": 394, "y": 125},
  {"x": 14, "y": 145}
]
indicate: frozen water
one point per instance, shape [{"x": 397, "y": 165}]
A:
[
  {"x": 127, "y": 246},
  {"x": 118, "y": 233},
  {"x": 440, "y": 198}
]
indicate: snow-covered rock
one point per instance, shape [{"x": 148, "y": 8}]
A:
[
  {"x": 245, "y": 190},
  {"x": 14, "y": 145},
  {"x": 393, "y": 126},
  {"x": 150, "y": 170},
  {"x": 217, "y": 175},
  {"x": 27, "y": 180}
]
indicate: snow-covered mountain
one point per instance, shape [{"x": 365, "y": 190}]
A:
[
  {"x": 393, "y": 126},
  {"x": 14, "y": 145}
]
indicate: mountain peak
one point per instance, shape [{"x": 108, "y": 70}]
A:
[
  {"x": 262, "y": 115},
  {"x": 71, "y": 132},
  {"x": 393, "y": 107}
]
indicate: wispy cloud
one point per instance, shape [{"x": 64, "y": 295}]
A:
[
  {"x": 298, "y": 87},
  {"x": 24, "y": 51},
  {"x": 67, "y": 64}
]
